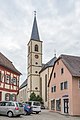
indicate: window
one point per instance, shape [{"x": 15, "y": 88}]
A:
[
  {"x": 29, "y": 49},
  {"x": 7, "y": 78},
  {"x": 61, "y": 85},
  {"x": 45, "y": 87},
  {"x": 54, "y": 75},
  {"x": 36, "y": 48},
  {"x": 53, "y": 89},
  {"x": 36, "y": 71},
  {"x": 57, "y": 62},
  {"x": 36, "y": 63},
  {"x": 14, "y": 81},
  {"x": 65, "y": 85},
  {"x": 41, "y": 86},
  {"x": 79, "y": 83},
  {"x": 53, "y": 104},
  {"x": 7, "y": 96},
  {"x": 58, "y": 105},
  {"x": 11, "y": 104},
  {"x": 62, "y": 71},
  {"x": 36, "y": 56}
]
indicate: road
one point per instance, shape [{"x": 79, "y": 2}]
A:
[{"x": 44, "y": 115}]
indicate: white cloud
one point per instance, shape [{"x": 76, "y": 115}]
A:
[{"x": 58, "y": 23}]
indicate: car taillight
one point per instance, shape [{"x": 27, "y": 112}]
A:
[
  {"x": 16, "y": 108},
  {"x": 28, "y": 106}
]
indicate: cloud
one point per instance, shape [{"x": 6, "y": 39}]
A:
[{"x": 58, "y": 23}]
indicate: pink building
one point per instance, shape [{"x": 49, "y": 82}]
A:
[{"x": 64, "y": 85}]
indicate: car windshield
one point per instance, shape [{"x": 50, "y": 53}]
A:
[
  {"x": 29, "y": 103},
  {"x": 36, "y": 103}
]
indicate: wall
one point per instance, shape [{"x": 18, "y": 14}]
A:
[
  {"x": 76, "y": 96},
  {"x": 47, "y": 72}
]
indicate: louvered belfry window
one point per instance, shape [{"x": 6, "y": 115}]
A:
[{"x": 36, "y": 47}]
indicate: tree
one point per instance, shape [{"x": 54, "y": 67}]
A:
[
  {"x": 39, "y": 98},
  {"x": 33, "y": 97}
]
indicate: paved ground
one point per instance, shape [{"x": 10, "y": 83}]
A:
[{"x": 44, "y": 115}]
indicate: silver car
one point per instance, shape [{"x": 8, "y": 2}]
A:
[{"x": 11, "y": 108}]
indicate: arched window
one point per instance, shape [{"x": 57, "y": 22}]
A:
[
  {"x": 7, "y": 96},
  {"x": 36, "y": 48},
  {"x": 29, "y": 49}
]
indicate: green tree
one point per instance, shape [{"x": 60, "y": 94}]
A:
[
  {"x": 39, "y": 98},
  {"x": 33, "y": 97}
]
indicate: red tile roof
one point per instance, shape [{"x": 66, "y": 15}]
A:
[{"x": 5, "y": 62}]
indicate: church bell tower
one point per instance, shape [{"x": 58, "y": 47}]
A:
[{"x": 34, "y": 60}]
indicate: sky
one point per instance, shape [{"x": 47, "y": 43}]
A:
[{"x": 58, "y": 24}]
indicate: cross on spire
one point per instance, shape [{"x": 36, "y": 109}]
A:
[{"x": 34, "y": 13}]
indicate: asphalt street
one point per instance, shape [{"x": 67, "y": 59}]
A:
[{"x": 43, "y": 115}]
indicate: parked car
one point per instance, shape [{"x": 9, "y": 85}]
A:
[
  {"x": 11, "y": 108},
  {"x": 35, "y": 105},
  {"x": 42, "y": 106},
  {"x": 27, "y": 109}
]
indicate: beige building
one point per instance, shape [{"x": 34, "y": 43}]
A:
[
  {"x": 64, "y": 85},
  {"x": 44, "y": 79},
  {"x": 22, "y": 96}
]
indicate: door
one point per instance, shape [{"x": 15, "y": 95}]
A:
[
  {"x": 66, "y": 105},
  {"x": 0, "y": 96}
]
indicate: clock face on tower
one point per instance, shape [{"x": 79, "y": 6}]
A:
[{"x": 36, "y": 56}]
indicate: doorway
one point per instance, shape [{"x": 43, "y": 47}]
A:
[{"x": 66, "y": 106}]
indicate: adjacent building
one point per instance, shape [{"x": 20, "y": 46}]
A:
[
  {"x": 64, "y": 85},
  {"x": 44, "y": 79},
  {"x": 22, "y": 96},
  {"x": 9, "y": 79}
]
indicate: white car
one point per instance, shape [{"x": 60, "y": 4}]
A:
[{"x": 35, "y": 105}]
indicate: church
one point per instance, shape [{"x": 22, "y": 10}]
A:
[{"x": 38, "y": 74}]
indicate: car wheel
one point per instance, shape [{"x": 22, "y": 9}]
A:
[
  {"x": 9, "y": 114},
  {"x": 25, "y": 113},
  {"x": 37, "y": 112}
]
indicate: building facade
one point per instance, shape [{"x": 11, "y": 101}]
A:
[
  {"x": 9, "y": 79},
  {"x": 44, "y": 79},
  {"x": 22, "y": 96},
  {"x": 64, "y": 85}
]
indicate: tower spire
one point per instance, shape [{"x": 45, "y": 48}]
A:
[{"x": 35, "y": 33}]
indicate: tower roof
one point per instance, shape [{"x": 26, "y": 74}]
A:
[{"x": 35, "y": 33}]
